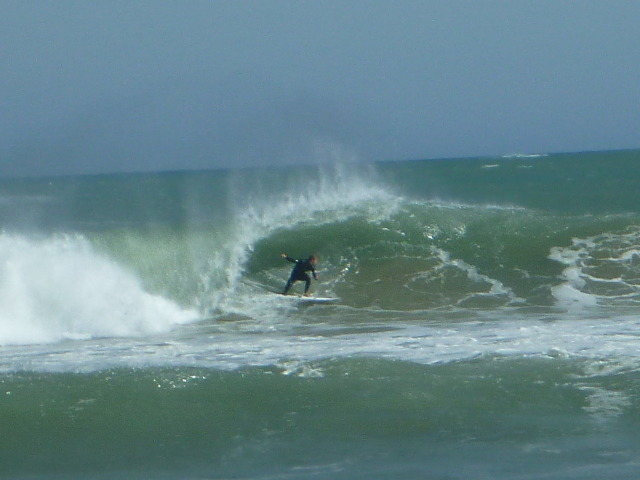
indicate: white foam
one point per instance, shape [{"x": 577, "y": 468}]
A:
[
  {"x": 59, "y": 287},
  {"x": 297, "y": 347},
  {"x": 600, "y": 270},
  {"x": 572, "y": 298},
  {"x": 525, "y": 155},
  {"x": 604, "y": 405}
]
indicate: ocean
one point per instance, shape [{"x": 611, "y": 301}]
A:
[{"x": 487, "y": 325}]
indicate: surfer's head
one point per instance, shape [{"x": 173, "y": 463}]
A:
[{"x": 313, "y": 259}]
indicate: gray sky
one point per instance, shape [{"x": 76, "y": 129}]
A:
[{"x": 105, "y": 86}]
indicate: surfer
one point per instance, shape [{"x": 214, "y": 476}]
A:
[{"x": 299, "y": 272}]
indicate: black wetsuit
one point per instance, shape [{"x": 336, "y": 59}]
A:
[{"x": 299, "y": 272}]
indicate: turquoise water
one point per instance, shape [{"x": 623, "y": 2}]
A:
[{"x": 487, "y": 325}]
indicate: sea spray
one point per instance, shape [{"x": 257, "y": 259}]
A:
[{"x": 59, "y": 287}]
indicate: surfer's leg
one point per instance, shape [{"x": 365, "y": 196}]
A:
[
  {"x": 288, "y": 286},
  {"x": 307, "y": 284}
]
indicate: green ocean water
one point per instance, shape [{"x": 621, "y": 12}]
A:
[{"x": 487, "y": 325}]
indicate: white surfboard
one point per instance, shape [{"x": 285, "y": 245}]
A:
[
  {"x": 292, "y": 297},
  {"x": 303, "y": 299}
]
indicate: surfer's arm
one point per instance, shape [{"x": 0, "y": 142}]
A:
[{"x": 287, "y": 257}]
